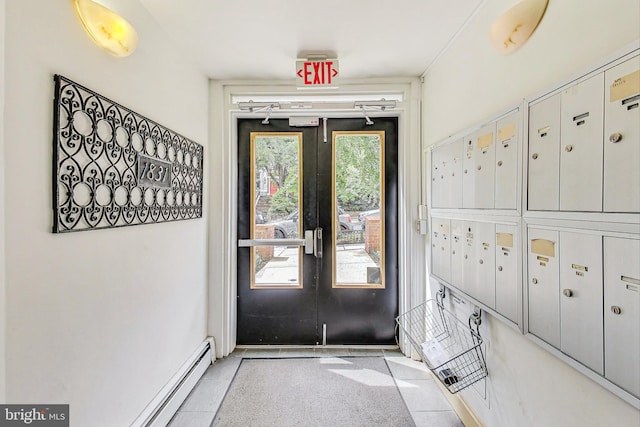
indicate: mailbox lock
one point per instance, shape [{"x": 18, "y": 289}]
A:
[
  {"x": 465, "y": 171},
  {"x": 615, "y": 137},
  {"x": 535, "y": 281},
  {"x": 499, "y": 268},
  {"x": 466, "y": 256},
  {"x": 535, "y": 156},
  {"x": 616, "y": 310},
  {"x": 500, "y": 163},
  {"x": 479, "y": 167},
  {"x": 568, "y": 148},
  {"x": 481, "y": 262},
  {"x": 568, "y": 293}
]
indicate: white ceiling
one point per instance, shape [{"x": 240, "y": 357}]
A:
[{"x": 251, "y": 39}]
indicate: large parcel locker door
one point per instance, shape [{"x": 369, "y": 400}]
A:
[
  {"x": 485, "y": 155},
  {"x": 622, "y": 313},
  {"x": 622, "y": 137},
  {"x": 581, "y": 331},
  {"x": 581, "y": 151},
  {"x": 507, "y": 147},
  {"x": 543, "y": 285},
  {"x": 507, "y": 281},
  {"x": 544, "y": 155},
  {"x": 458, "y": 242},
  {"x": 441, "y": 249}
]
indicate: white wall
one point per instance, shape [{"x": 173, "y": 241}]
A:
[
  {"x": 3, "y": 284},
  {"x": 471, "y": 82},
  {"x": 99, "y": 319}
]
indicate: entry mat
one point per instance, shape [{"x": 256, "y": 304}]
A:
[{"x": 323, "y": 392}]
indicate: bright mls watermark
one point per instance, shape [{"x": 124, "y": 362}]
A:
[{"x": 34, "y": 415}]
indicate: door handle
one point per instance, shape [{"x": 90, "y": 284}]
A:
[
  {"x": 309, "y": 242},
  {"x": 317, "y": 242}
]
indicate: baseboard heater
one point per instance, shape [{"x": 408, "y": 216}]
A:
[{"x": 164, "y": 406}]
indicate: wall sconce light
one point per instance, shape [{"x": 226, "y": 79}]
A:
[
  {"x": 514, "y": 27},
  {"x": 107, "y": 29}
]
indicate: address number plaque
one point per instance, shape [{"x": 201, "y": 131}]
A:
[{"x": 113, "y": 167}]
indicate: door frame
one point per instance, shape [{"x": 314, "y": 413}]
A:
[{"x": 222, "y": 181}]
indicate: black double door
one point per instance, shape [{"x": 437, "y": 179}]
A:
[{"x": 317, "y": 229}]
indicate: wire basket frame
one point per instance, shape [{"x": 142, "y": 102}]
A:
[{"x": 450, "y": 349}]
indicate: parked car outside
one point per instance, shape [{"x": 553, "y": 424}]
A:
[
  {"x": 375, "y": 213},
  {"x": 345, "y": 221},
  {"x": 288, "y": 227}
]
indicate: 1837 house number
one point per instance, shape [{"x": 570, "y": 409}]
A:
[{"x": 153, "y": 172}]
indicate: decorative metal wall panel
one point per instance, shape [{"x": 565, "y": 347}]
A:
[{"x": 113, "y": 167}]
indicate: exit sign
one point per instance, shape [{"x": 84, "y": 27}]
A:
[{"x": 317, "y": 73}]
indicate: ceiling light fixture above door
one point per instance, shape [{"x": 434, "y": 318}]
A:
[{"x": 106, "y": 28}]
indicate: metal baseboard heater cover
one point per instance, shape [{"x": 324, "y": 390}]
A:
[{"x": 166, "y": 403}]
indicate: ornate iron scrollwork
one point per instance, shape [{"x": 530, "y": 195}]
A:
[{"x": 113, "y": 167}]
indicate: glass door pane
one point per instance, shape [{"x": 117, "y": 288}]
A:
[
  {"x": 276, "y": 167},
  {"x": 358, "y": 219}
]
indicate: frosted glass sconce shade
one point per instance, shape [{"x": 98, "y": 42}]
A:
[
  {"x": 107, "y": 29},
  {"x": 514, "y": 27}
]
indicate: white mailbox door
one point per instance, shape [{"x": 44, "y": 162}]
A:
[
  {"x": 485, "y": 283},
  {"x": 622, "y": 138},
  {"x": 468, "y": 172},
  {"x": 453, "y": 180},
  {"x": 544, "y": 155},
  {"x": 437, "y": 174},
  {"x": 441, "y": 249},
  {"x": 485, "y": 157},
  {"x": 469, "y": 257},
  {"x": 507, "y": 281},
  {"x": 507, "y": 148},
  {"x": 458, "y": 243},
  {"x": 581, "y": 296},
  {"x": 544, "y": 286},
  {"x": 581, "y": 146},
  {"x": 622, "y": 313}
]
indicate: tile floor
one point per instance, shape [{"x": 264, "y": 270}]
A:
[{"x": 423, "y": 398}]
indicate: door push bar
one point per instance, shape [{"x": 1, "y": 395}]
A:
[
  {"x": 312, "y": 242},
  {"x": 248, "y": 243}
]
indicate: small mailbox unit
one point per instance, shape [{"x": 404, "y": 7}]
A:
[
  {"x": 476, "y": 215},
  {"x": 535, "y": 217}
]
